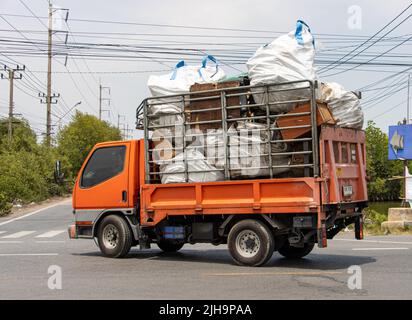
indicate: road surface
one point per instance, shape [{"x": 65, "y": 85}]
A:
[{"x": 32, "y": 243}]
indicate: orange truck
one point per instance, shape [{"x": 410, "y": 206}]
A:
[{"x": 120, "y": 200}]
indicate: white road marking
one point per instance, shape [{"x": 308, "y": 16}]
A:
[
  {"x": 34, "y": 212},
  {"x": 5, "y": 241},
  {"x": 28, "y": 254},
  {"x": 51, "y": 241},
  {"x": 370, "y": 249},
  {"x": 374, "y": 241},
  {"x": 50, "y": 234},
  {"x": 297, "y": 273},
  {"x": 18, "y": 234},
  {"x": 2, "y": 232}
]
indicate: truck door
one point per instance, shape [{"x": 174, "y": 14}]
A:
[{"x": 103, "y": 179}]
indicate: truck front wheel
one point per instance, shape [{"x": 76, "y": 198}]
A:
[
  {"x": 114, "y": 237},
  {"x": 250, "y": 243},
  {"x": 170, "y": 246},
  {"x": 295, "y": 252}
]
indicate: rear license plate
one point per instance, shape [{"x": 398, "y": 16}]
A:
[{"x": 347, "y": 191}]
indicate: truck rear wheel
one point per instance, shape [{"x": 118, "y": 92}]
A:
[
  {"x": 114, "y": 237},
  {"x": 295, "y": 252},
  {"x": 250, "y": 243},
  {"x": 170, "y": 246}
]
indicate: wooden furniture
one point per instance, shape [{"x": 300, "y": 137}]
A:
[{"x": 323, "y": 116}]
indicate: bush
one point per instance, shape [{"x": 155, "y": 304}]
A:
[
  {"x": 5, "y": 205},
  {"x": 373, "y": 220},
  {"x": 27, "y": 167}
]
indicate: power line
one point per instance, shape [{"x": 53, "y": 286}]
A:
[{"x": 329, "y": 67}]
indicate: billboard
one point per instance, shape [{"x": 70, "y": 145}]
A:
[{"x": 400, "y": 142}]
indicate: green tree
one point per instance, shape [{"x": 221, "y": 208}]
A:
[
  {"x": 24, "y": 138},
  {"x": 380, "y": 169},
  {"x": 77, "y": 139},
  {"x": 26, "y": 167}
]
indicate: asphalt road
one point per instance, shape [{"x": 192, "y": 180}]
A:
[{"x": 31, "y": 244}]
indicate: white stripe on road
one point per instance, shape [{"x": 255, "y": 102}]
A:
[
  {"x": 18, "y": 234},
  {"x": 2, "y": 232},
  {"x": 51, "y": 241},
  {"x": 50, "y": 234},
  {"x": 28, "y": 254},
  {"x": 375, "y": 241},
  {"x": 35, "y": 212},
  {"x": 370, "y": 249},
  {"x": 5, "y": 241}
]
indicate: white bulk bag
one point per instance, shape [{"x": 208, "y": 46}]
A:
[
  {"x": 210, "y": 73},
  {"x": 288, "y": 58},
  {"x": 344, "y": 105},
  {"x": 248, "y": 148},
  {"x": 198, "y": 168},
  {"x": 179, "y": 82}
]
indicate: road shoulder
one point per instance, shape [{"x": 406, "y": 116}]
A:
[{"x": 25, "y": 209}]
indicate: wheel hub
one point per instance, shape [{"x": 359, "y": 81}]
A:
[
  {"x": 110, "y": 236},
  {"x": 247, "y": 243}
]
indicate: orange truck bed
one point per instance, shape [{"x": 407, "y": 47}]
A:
[{"x": 342, "y": 162}]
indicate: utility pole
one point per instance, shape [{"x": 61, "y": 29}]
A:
[
  {"x": 408, "y": 96},
  {"x": 49, "y": 74},
  {"x": 126, "y": 131},
  {"x": 48, "y": 99},
  {"x": 12, "y": 77},
  {"x": 102, "y": 99},
  {"x": 405, "y": 162},
  {"x": 118, "y": 123},
  {"x": 118, "y": 120}
]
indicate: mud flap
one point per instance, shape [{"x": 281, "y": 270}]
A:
[
  {"x": 322, "y": 236},
  {"x": 359, "y": 228}
]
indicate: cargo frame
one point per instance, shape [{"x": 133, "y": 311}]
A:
[{"x": 144, "y": 115}]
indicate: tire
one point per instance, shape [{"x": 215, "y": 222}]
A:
[
  {"x": 250, "y": 243},
  {"x": 290, "y": 252},
  {"x": 114, "y": 237},
  {"x": 170, "y": 246}
]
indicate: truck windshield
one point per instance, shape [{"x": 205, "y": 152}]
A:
[{"x": 104, "y": 164}]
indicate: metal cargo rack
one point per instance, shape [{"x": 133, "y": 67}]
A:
[{"x": 308, "y": 144}]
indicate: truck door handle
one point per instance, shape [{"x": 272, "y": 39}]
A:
[{"x": 124, "y": 195}]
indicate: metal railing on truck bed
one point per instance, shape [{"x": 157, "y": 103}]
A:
[{"x": 229, "y": 119}]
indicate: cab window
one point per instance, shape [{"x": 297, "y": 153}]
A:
[{"x": 104, "y": 164}]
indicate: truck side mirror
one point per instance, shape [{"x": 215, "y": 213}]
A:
[{"x": 58, "y": 175}]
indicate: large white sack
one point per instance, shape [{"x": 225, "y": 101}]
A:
[
  {"x": 199, "y": 169},
  {"x": 179, "y": 81},
  {"x": 344, "y": 105},
  {"x": 288, "y": 58},
  {"x": 210, "y": 73},
  {"x": 248, "y": 149}
]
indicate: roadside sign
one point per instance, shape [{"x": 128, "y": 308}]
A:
[{"x": 400, "y": 142}]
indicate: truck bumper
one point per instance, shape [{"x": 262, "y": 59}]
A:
[
  {"x": 72, "y": 231},
  {"x": 80, "y": 232}
]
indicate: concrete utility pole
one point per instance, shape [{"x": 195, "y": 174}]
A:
[
  {"x": 102, "y": 99},
  {"x": 118, "y": 123},
  {"x": 49, "y": 76},
  {"x": 405, "y": 162},
  {"x": 12, "y": 77},
  {"x": 126, "y": 134}
]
